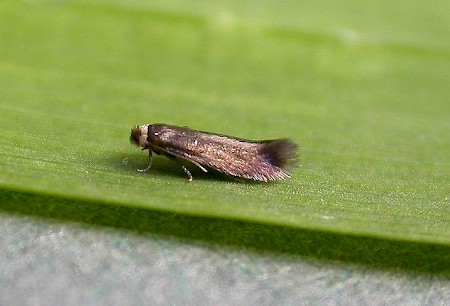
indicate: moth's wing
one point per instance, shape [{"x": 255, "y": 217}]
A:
[
  {"x": 250, "y": 160},
  {"x": 251, "y": 164},
  {"x": 173, "y": 152},
  {"x": 262, "y": 161}
]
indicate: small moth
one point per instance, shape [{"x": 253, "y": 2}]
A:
[{"x": 264, "y": 160}]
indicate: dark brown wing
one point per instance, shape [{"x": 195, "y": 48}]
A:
[{"x": 262, "y": 161}]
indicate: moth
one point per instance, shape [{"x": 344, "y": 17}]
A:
[{"x": 265, "y": 160}]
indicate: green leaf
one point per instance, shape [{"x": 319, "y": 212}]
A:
[{"x": 362, "y": 90}]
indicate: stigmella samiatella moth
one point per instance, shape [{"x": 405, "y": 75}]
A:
[{"x": 265, "y": 160}]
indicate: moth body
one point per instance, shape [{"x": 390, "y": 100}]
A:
[{"x": 265, "y": 160}]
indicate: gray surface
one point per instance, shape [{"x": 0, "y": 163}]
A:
[{"x": 51, "y": 262}]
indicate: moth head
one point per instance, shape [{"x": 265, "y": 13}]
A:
[{"x": 138, "y": 135}]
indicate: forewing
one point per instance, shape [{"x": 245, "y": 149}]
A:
[{"x": 232, "y": 156}]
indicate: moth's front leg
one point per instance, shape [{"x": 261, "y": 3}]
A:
[{"x": 150, "y": 159}]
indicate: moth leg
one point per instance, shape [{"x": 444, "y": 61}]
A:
[
  {"x": 200, "y": 166},
  {"x": 150, "y": 159},
  {"x": 188, "y": 173}
]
